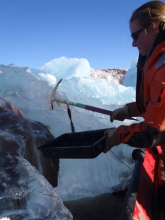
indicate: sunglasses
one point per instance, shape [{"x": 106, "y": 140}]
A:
[{"x": 135, "y": 34}]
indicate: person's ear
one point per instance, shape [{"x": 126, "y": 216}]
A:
[{"x": 155, "y": 28}]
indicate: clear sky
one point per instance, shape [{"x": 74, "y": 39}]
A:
[{"x": 33, "y": 32}]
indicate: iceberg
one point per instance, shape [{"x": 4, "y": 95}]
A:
[{"x": 30, "y": 91}]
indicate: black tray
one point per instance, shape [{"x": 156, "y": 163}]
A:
[{"x": 87, "y": 144}]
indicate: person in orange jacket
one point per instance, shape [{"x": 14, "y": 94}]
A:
[{"x": 147, "y": 26}]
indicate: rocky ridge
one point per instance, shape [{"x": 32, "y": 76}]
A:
[{"x": 114, "y": 75}]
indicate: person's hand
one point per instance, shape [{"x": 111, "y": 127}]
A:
[
  {"x": 118, "y": 112},
  {"x": 111, "y": 139}
]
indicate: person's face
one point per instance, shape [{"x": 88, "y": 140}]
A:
[{"x": 143, "y": 40}]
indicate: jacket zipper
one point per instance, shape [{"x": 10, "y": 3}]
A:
[{"x": 143, "y": 72}]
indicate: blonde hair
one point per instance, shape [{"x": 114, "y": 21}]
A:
[{"x": 150, "y": 12}]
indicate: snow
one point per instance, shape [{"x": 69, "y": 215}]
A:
[{"x": 30, "y": 90}]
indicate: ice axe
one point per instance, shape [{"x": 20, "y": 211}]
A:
[
  {"x": 87, "y": 107},
  {"x": 68, "y": 109}
]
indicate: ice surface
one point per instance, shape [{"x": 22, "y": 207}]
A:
[
  {"x": 30, "y": 90},
  {"x": 130, "y": 77},
  {"x": 30, "y": 196},
  {"x": 88, "y": 177}
]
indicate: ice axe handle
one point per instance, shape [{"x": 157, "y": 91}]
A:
[{"x": 107, "y": 112}]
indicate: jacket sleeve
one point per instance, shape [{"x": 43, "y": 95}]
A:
[
  {"x": 140, "y": 135},
  {"x": 150, "y": 132}
]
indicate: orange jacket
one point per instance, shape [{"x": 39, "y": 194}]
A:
[{"x": 150, "y": 103}]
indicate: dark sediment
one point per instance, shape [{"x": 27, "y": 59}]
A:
[{"x": 107, "y": 206}]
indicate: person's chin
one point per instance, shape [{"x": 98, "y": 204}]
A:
[{"x": 142, "y": 53}]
